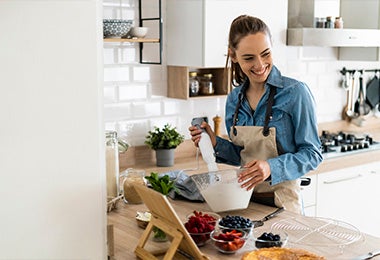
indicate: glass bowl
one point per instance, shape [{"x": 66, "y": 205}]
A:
[
  {"x": 222, "y": 191},
  {"x": 211, "y": 217},
  {"x": 200, "y": 224},
  {"x": 200, "y": 239},
  {"x": 236, "y": 222},
  {"x": 265, "y": 239},
  {"x": 228, "y": 241}
]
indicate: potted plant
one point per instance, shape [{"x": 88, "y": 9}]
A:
[
  {"x": 163, "y": 185},
  {"x": 164, "y": 141}
]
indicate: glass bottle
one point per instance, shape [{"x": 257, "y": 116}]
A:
[
  {"x": 193, "y": 84},
  {"x": 338, "y": 22},
  {"x": 112, "y": 165},
  {"x": 207, "y": 87},
  {"x": 329, "y": 22}
]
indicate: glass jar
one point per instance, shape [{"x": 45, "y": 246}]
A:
[
  {"x": 207, "y": 86},
  {"x": 320, "y": 22},
  {"x": 193, "y": 84},
  {"x": 112, "y": 165},
  {"x": 329, "y": 22},
  {"x": 129, "y": 178},
  {"x": 338, "y": 22}
]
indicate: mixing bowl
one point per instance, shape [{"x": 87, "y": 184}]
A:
[
  {"x": 114, "y": 28},
  {"x": 221, "y": 190}
]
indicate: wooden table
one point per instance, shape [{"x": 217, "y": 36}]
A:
[{"x": 127, "y": 233}]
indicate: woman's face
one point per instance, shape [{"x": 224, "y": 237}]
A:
[{"x": 254, "y": 56}]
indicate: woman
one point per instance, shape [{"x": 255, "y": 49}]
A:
[{"x": 270, "y": 120}]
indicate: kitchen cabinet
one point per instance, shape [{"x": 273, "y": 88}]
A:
[
  {"x": 351, "y": 195},
  {"x": 197, "y": 36}
]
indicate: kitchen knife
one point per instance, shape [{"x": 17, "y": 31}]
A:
[{"x": 368, "y": 255}]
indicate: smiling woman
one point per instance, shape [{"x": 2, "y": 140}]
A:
[{"x": 270, "y": 119}]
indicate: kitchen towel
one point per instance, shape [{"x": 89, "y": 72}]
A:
[{"x": 185, "y": 186}]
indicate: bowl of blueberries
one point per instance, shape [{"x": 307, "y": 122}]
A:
[
  {"x": 230, "y": 222},
  {"x": 263, "y": 239}
]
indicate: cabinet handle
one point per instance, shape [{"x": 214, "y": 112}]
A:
[{"x": 343, "y": 179}]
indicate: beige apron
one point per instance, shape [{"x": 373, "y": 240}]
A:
[{"x": 257, "y": 146}]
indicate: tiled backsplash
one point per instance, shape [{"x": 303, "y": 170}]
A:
[{"x": 135, "y": 94}]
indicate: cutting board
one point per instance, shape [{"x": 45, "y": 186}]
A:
[{"x": 165, "y": 218}]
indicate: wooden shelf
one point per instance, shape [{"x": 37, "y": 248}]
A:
[
  {"x": 144, "y": 40},
  {"x": 178, "y": 82}
]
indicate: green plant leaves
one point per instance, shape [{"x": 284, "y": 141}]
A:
[
  {"x": 165, "y": 138},
  {"x": 161, "y": 184}
]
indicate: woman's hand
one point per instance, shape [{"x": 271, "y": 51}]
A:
[
  {"x": 196, "y": 133},
  {"x": 256, "y": 171}
]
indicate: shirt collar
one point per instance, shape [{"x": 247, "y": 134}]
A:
[{"x": 275, "y": 78}]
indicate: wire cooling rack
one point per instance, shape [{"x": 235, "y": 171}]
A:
[{"x": 316, "y": 231}]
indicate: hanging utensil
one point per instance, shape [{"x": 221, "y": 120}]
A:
[
  {"x": 259, "y": 223},
  {"x": 364, "y": 108},
  {"x": 373, "y": 91},
  {"x": 347, "y": 86},
  {"x": 351, "y": 94}
]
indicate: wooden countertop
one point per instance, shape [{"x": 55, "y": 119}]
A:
[{"x": 127, "y": 233}]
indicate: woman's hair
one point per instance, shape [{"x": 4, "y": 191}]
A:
[{"x": 242, "y": 26}]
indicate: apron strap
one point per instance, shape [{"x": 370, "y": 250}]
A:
[
  {"x": 238, "y": 105},
  {"x": 268, "y": 113}
]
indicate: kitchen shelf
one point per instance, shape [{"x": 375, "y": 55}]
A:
[
  {"x": 333, "y": 37},
  {"x": 178, "y": 82},
  {"x": 131, "y": 40},
  {"x": 143, "y": 41}
]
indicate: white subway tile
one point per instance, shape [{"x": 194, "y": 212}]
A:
[
  {"x": 109, "y": 55},
  {"x": 116, "y": 74},
  {"x": 116, "y": 112},
  {"x": 109, "y": 94},
  {"x": 146, "y": 110},
  {"x": 127, "y": 55},
  {"x": 141, "y": 73},
  {"x": 132, "y": 92}
]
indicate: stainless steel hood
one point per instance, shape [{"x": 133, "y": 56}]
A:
[{"x": 333, "y": 37}]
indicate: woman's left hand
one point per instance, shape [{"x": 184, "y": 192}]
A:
[{"x": 256, "y": 171}]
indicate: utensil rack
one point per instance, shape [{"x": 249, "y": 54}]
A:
[{"x": 343, "y": 71}]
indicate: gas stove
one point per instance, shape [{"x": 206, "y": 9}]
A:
[{"x": 343, "y": 143}]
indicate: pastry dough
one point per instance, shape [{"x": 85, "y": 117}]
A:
[{"x": 280, "y": 253}]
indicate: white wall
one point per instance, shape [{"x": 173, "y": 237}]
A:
[
  {"x": 135, "y": 94},
  {"x": 52, "y": 184}
]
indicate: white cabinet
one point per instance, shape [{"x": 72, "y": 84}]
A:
[
  {"x": 351, "y": 195},
  {"x": 197, "y": 30}
]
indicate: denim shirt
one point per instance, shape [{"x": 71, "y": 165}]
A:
[{"x": 294, "y": 118}]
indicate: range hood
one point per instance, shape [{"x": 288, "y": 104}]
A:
[{"x": 333, "y": 37}]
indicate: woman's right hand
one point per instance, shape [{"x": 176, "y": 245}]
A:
[{"x": 196, "y": 133}]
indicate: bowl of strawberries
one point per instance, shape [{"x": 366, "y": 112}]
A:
[
  {"x": 228, "y": 241},
  {"x": 200, "y": 225}
]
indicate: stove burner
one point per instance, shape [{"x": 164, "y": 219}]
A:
[{"x": 343, "y": 142}]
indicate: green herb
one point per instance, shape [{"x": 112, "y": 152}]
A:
[
  {"x": 165, "y": 138},
  {"x": 162, "y": 184}
]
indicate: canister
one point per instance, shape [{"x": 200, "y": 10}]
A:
[{"x": 112, "y": 165}]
